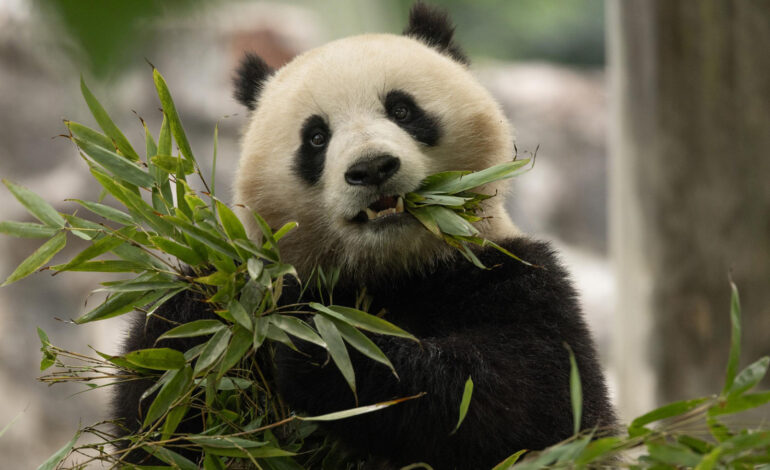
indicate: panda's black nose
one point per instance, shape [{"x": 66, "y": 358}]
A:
[{"x": 372, "y": 171}]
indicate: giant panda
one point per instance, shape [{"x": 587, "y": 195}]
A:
[{"x": 334, "y": 140}]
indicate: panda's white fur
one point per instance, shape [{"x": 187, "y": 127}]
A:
[{"x": 345, "y": 81}]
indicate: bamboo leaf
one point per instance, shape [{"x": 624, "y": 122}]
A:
[
  {"x": 226, "y": 442},
  {"x": 38, "y": 258},
  {"x": 54, "y": 460},
  {"x": 157, "y": 303},
  {"x": 156, "y": 358},
  {"x": 738, "y": 403},
  {"x": 183, "y": 253},
  {"x": 214, "y": 161},
  {"x": 450, "y": 223},
  {"x": 717, "y": 429},
  {"x": 239, "y": 345},
  {"x": 105, "y": 122},
  {"x": 103, "y": 266},
  {"x": 164, "y": 138},
  {"x": 118, "y": 304},
  {"x": 274, "y": 333},
  {"x": 444, "y": 200},
  {"x": 636, "y": 428},
  {"x": 255, "y": 267},
  {"x": 455, "y": 182},
  {"x": 709, "y": 460},
  {"x": 358, "y": 410},
  {"x": 170, "y": 457},
  {"x": 173, "y": 165},
  {"x": 464, "y": 403},
  {"x": 267, "y": 232},
  {"x": 107, "y": 212},
  {"x": 136, "y": 205},
  {"x": 749, "y": 377},
  {"x": 238, "y": 447},
  {"x": 178, "y": 382},
  {"x": 27, "y": 230},
  {"x": 49, "y": 355},
  {"x": 296, "y": 327},
  {"x": 83, "y": 228},
  {"x": 336, "y": 347},
  {"x": 169, "y": 109},
  {"x": 362, "y": 320},
  {"x": 287, "y": 227},
  {"x": 211, "y": 239},
  {"x": 132, "y": 253},
  {"x": 98, "y": 247},
  {"x": 213, "y": 350},
  {"x": 576, "y": 392},
  {"x": 438, "y": 182},
  {"x": 508, "y": 463},
  {"x": 425, "y": 216},
  {"x": 124, "y": 364},
  {"x": 673, "y": 454},
  {"x": 230, "y": 222},
  {"x": 120, "y": 167},
  {"x": 735, "y": 338},
  {"x": 36, "y": 205},
  {"x": 277, "y": 270},
  {"x": 363, "y": 344},
  {"x": 11, "y": 423},
  {"x": 598, "y": 449},
  {"x": 193, "y": 328},
  {"x": 211, "y": 462},
  {"x": 151, "y": 148},
  {"x": 470, "y": 255},
  {"x": 172, "y": 421},
  {"x": 86, "y": 133},
  {"x": 240, "y": 315},
  {"x": 164, "y": 148}
]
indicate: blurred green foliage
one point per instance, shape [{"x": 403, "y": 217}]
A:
[
  {"x": 554, "y": 30},
  {"x": 106, "y": 35},
  {"x": 104, "y": 32}
]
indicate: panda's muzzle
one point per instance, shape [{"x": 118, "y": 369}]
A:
[{"x": 374, "y": 172}]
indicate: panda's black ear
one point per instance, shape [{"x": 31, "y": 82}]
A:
[
  {"x": 249, "y": 78},
  {"x": 432, "y": 26}
]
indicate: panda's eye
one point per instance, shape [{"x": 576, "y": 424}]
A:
[
  {"x": 318, "y": 139},
  {"x": 400, "y": 112}
]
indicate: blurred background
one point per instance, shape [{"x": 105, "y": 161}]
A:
[{"x": 652, "y": 120}]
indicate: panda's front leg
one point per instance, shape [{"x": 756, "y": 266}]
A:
[{"x": 418, "y": 430}]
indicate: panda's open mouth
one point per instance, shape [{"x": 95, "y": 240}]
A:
[{"x": 383, "y": 208}]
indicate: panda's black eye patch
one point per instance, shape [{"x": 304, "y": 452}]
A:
[
  {"x": 310, "y": 157},
  {"x": 402, "y": 109}
]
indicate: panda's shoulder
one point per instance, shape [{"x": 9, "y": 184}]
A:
[
  {"x": 534, "y": 288},
  {"x": 535, "y": 265}
]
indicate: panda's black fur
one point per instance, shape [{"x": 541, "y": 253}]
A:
[{"x": 507, "y": 328}]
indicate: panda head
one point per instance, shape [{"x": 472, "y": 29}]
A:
[{"x": 337, "y": 136}]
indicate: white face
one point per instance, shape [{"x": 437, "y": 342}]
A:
[{"x": 342, "y": 132}]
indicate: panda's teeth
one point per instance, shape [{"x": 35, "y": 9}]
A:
[{"x": 371, "y": 215}]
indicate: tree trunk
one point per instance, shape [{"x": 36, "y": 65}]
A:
[{"x": 690, "y": 190}]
